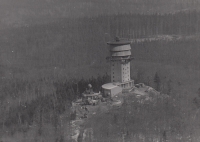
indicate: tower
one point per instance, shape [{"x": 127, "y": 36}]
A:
[{"x": 120, "y": 58}]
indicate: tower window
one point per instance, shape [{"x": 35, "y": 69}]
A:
[{"x": 113, "y": 76}]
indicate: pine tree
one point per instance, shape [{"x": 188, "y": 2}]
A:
[
  {"x": 157, "y": 81},
  {"x": 169, "y": 85}
]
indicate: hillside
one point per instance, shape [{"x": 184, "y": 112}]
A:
[
  {"x": 27, "y": 12},
  {"x": 51, "y": 116},
  {"x": 45, "y": 67},
  {"x": 80, "y": 44}
]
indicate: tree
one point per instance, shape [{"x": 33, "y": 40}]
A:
[
  {"x": 140, "y": 76},
  {"x": 169, "y": 86},
  {"x": 198, "y": 92},
  {"x": 157, "y": 81}
]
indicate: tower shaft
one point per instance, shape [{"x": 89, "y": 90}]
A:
[{"x": 120, "y": 57}]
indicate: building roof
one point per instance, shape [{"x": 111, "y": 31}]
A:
[
  {"x": 120, "y": 47},
  {"x": 109, "y": 86},
  {"x": 90, "y": 95},
  {"x": 117, "y": 83},
  {"x": 119, "y": 42},
  {"x": 123, "y": 53}
]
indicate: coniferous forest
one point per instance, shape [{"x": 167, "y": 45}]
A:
[
  {"x": 45, "y": 67},
  {"x": 48, "y": 45}
]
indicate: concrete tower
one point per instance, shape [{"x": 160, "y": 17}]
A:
[{"x": 120, "y": 57}]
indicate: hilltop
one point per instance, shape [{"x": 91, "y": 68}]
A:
[
  {"x": 143, "y": 115},
  {"x": 45, "y": 67}
]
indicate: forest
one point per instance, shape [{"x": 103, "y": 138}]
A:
[
  {"x": 48, "y": 66},
  {"x": 26, "y": 104},
  {"x": 48, "y": 45}
]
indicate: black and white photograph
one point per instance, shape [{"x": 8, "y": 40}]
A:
[{"x": 99, "y": 70}]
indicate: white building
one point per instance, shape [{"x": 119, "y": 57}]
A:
[{"x": 111, "y": 90}]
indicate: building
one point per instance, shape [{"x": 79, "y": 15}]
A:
[
  {"x": 120, "y": 57},
  {"x": 111, "y": 90}
]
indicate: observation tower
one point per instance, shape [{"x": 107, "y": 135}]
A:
[{"x": 120, "y": 58}]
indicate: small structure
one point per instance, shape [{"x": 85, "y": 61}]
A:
[
  {"x": 90, "y": 97},
  {"x": 93, "y": 96},
  {"x": 110, "y": 90}
]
